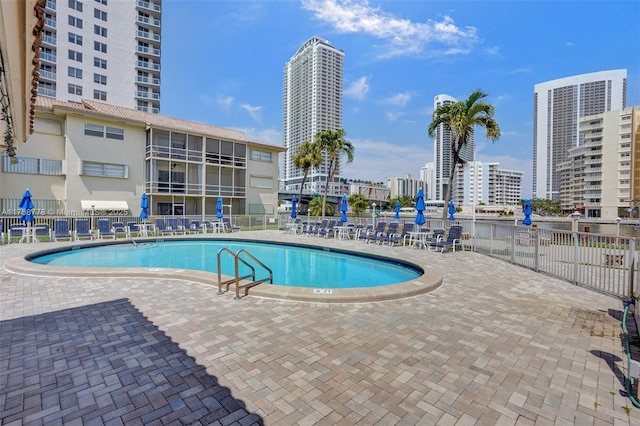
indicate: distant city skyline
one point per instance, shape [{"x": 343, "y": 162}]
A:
[{"x": 225, "y": 68}]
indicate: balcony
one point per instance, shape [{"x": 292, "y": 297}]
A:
[
  {"x": 50, "y": 5},
  {"x": 46, "y": 92},
  {"x": 47, "y": 75},
  {"x": 148, "y": 65},
  {"x": 149, "y": 6},
  {"x": 147, "y": 95},
  {"x": 148, "y": 80},
  {"x": 149, "y": 109},
  {"x": 148, "y": 36},
  {"x": 149, "y": 21},
  {"x": 51, "y": 23},
  {"x": 48, "y": 57},
  {"x": 49, "y": 40},
  {"x": 148, "y": 50}
]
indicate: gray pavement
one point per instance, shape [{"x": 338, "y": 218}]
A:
[{"x": 495, "y": 344}]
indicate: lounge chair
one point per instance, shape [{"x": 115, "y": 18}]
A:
[
  {"x": 162, "y": 227},
  {"x": 172, "y": 223},
  {"x": 42, "y": 231},
  {"x": 389, "y": 235},
  {"x": 405, "y": 235},
  {"x": 185, "y": 224},
  {"x": 104, "y": 229},
  {"x": 363, "y": 233},
  {"x": 375, "y": 235},
  {"x": 82, "y": 229},
  {"x": 453, "y": 240},
  {"x": 119, "y": 228},
  {"x": 61, "y": 230},
  {"x": 132, "y": 227},
  {"x": 227, "y": 225},
  {"x": 195, "y": 228},
  {"x": 327, "y": 230}
]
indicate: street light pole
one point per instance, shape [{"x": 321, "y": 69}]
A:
[{"x": 373, "y": 218}]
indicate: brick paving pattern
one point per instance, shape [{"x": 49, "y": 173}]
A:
[{"x": 496, "y": 344}]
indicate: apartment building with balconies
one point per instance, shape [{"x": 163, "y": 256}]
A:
[
  {"x": 103, "y": 50},
  {"x": 91, "y": 153}
]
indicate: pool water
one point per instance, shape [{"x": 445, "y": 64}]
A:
[{"x": 291, "y": 265}]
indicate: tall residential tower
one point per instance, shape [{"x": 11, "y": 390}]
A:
[
  {"x": 558, "y": 106},
  {"x": 103, "y": 50},
  {"x": 312, "y": 97},
  {"x": 442, "y": 153}
]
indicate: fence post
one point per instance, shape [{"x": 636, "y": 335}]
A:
[
  {"x": 632, "y": 266},
  {"x": 576, "y": 255}
]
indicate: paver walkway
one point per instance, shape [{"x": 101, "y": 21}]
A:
[{"x": 496, "y": 344}]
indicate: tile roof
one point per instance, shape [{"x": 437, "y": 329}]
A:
[{"x": 146, "y": 119}]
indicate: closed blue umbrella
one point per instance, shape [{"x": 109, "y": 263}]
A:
[
  {"x": 452, "y": 211},
  {"x": 527, "y": 213},
  {"x": 144, "y": 206},
  {"x": 219, "y": 208},
  {"x": 420, "y": 206},
  {"x": 26, "y": 204},
  {"x": 397, "y": 209},
  {"x": 343, "y": 208},
  {"x": 294, "y": 205}
]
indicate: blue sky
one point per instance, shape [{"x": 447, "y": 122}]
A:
[{"x": 223, "y": 61}]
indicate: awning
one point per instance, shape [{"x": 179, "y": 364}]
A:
[{"x": 112, "y": 206}]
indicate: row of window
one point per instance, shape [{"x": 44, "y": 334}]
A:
[
  {"x": 103, "y": 131},
  {"x": 77, "y": 73},
  {"x": 78, "y": 6},
  {"x": 78, "y": 23},
  {"x": 75, "y": 89}
]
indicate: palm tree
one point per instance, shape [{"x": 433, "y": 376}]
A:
[
  {"x": 333, "y": 145},
  {"x": 315, "y": 207},
  {"x": 459, "y": 119},
  {"x": 307, "y": 155},
  {"x": 358, "y": 203}
]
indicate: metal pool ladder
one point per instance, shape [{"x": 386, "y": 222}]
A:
[{"x": 237, "y": 259}]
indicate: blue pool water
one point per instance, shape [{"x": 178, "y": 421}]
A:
[{"x": 291, "y": 265}]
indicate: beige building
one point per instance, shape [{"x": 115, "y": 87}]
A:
[
  {"x": 600, "y": 175},
  {"x": 92, "y": 156}
]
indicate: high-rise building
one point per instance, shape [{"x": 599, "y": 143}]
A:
[
  {"x": 427, "y": 174},
  {"x": 442, "y": 153},
  {"x": 558, "y": 107},
  {"x": 103, "y": 50},
  {"x": 478, "y": 183},
  {"x": 312, "y": 96},
  {"x": 405, "y": 186}
]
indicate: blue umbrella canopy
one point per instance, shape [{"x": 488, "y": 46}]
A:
[
  {"x": 527, "y": 213},
  {"x": 397, "y": 210},
  {"x": 294, "y": 205},
  {"x": 344, "y": 206},
  {"x": 420, "y": 206},
  {"x": 219, "y": 208},
  {"x": 144, "y": 205},
  {"x": 26, "y": 204},
  {"x": 452, "y": 211}
]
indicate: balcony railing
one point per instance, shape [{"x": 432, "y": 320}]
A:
[
  {"x": 49, "y": 75},
  {"x": 148, "y": 65},
  {"x": 148, "y": 35},
  {"x": 46, "y": 92},
  {"x": 158, "y": 151},
  {"x": 49, "y": 40},
  {"x": 150, "y": 6},
  {"x": 148, "y": 80},
  {"x": 147, "y": 95},
  {"x": 48, "y": 22},
  {"x": 149, "y": 21},
  {"x": 148, "y": 50},
  {"x": 148, "y": 109},
  {"x": 48, "y": 57},
  {"x": 50, "y": 5}
]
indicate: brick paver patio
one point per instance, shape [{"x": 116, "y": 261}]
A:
[{"x": 496, "y": 344}]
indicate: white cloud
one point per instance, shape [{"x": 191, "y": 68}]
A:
[
  {"x": 379, "y": 160},
  {"x": 224, "y": 101},
  {"x": 254, "y": 111},
  {"x": 399, "y": 100},
  {"x": 393, "y": 116},
  {"x": 270, "y": 136},
  {"x": 403, "y": 37},
  {"x": 358, "y": 89}
]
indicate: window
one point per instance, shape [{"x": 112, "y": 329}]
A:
[
  {"x": 102, "y": 131},
  {"x": 75, "y": 39},
  {"x": 100, "y": 14},
  {"x": 101, "y": 31},
  {"x": 100, "y": 63},
  {"x": 102, "y": 2},
  {"x": 75, "y": 5},
  {"x": 75, "y": 22},
  {"x": 100, "y": 95},
  {"x": 74, "y": 89},
  {"x": 75, "y": 56},
  {"x": 261, "y": 156},
  {"x": 91, "y": 168},
  {"x": 33, "y": 166},
  {"x": 261, "y": 182},
  {"x": 74, "y": 72},
  {"x": 99, "y": 78},
  {"x": 100, "y": 47}
]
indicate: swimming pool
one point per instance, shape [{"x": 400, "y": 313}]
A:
[{"x": 292, "y": 265}]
